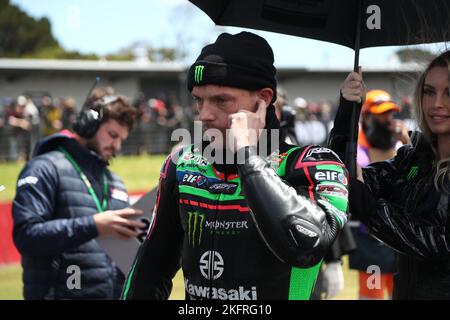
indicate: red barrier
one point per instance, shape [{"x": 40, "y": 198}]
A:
[{"x": 8, "y": 251}]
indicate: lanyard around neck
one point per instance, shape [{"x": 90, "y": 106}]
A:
[{"x": 88, "y": 184}]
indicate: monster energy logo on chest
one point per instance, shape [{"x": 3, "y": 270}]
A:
[
  {"x": 198, "y": 74},
  {"x": 195, "y": 229}
]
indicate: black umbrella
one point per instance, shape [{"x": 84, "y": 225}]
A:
[{"x": 353, "y": 23}]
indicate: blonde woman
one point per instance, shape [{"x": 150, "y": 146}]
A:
[{"x": 405, "y": 200}]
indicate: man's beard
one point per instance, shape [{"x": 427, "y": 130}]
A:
[
  {"x": 92, "y": 145},
  {"x": 378, "y": 134}
]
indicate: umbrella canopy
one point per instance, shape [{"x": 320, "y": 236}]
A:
[
  {"x": 382, "y": 22},
  {"x": 352, "y": 23}
]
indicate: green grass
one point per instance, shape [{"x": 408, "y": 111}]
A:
[
  {"x": 11, "y": 284},
  {"x": 138, "y": 173},
  {"x": 8, "y": 177}
]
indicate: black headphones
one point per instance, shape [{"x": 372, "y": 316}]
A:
[{"x": 91, "y": 117}]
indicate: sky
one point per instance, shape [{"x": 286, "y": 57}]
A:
[{"x": 105, "y": 26}]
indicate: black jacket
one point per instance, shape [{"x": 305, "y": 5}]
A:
[
  {"x": 401, "y": 207},
  {"x": 54, "y": 226},
  {"x": 241, "y": 232}
]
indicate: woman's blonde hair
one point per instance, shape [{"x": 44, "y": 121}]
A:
[{"x": 442, "y": 165}]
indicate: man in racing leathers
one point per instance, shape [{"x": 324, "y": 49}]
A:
[{"x": 256, "y": 229}]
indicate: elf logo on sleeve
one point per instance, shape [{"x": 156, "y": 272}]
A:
[{"x": 331, "y": 176}]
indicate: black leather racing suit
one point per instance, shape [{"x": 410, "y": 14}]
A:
[{"x": 242, "y": 232}]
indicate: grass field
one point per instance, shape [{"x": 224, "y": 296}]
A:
[
  {"x": 11, "y": 284},
  {"x": 8, "y": 178},
  {"x": 138, "y": 173}
]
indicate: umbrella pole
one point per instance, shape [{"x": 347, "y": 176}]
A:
[{"x": 350, "y": 148}]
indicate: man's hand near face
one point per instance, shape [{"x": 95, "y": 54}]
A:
[{"x": 246, "y": 126}]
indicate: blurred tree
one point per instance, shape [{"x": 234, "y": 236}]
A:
[
  {"x": 142, "y": 51},
  {"x": 56, "y": 52},
  {"x": 414, "y": 55},
  {"x": 189, "y": 44},
  {"x": 21, "y": 34},
  {"x": 164, "y": 54}
]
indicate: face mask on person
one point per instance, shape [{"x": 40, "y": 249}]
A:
[{"x": 378, "y": 134}]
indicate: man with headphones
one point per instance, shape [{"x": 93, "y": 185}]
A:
[{"x": 67, "y": 197}]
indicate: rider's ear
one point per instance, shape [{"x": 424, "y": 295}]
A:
[{"x": 266, "y": 94}]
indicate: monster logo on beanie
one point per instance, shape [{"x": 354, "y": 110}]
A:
[
  {"x": 244, "y": 60},
  {"x": 198, "y": 76}
]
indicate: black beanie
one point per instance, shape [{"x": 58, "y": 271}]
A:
[{"x": 244, "y": 60}]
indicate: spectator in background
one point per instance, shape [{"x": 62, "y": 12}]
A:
[
  {"x": 286, "y": 115},
  {"x": 69, "y": 113},
  {"x": 191, "y": 114},
  {"x": 20, "y": 129},
  {"x": 309, "y": 129},
  {"x": 406, "y": 111},
  {"x": 158, "y": 107},
  {"x": 173, "y": 117},
  {"x": 159, "y": 112},
  {"x": 98, "y": 93},
  {"x": 4, "y": 135},
  {"x": 32, "y": 113},
  {"x": 51, "y": 116},
  {"x": 141, "y": 135},
  {"x": 406, "y": 115},
  {"x": 302, "y": 134},
  {"x": 66, "y": 197},
  {"x": 377, "y": 141},
  {"x": 327, "y": 114},
  {"x": 301, "y": 111},
  {"x": 314, "y": 111}
]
